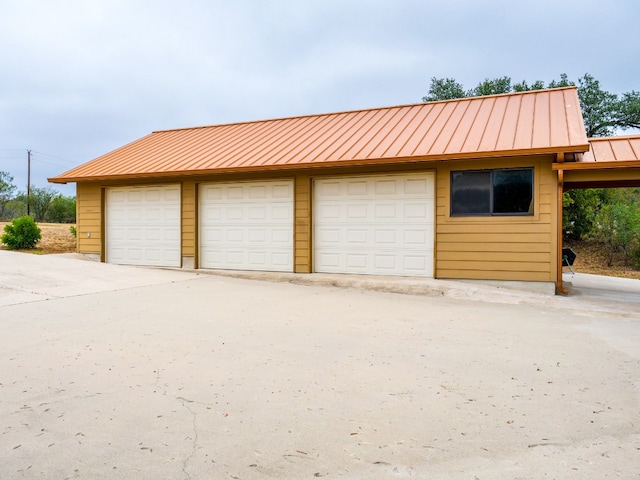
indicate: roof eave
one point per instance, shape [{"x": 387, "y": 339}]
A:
[
  {"x": 333, "y": 164},
  {"x": 596, "y": 165}
]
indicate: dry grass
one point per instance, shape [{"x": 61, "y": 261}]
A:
[
  {"x": 56, "y": 238},
  {"x": 592, "y": 258}
]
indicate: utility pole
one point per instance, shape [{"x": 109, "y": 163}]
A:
[{"x": 28, "y": 181}]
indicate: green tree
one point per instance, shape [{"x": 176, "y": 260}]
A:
[
  {"x": 7, "y": 192},
  {"x": 40, "y": 200},
  {"x": 604, "y": 113},
  {"x": 16, "y": 208},
  {"x": 62, "y": 210},
  {"x": 491, "y": 87},
  {"x": 580, "y": 208},
  {"x": 618, "y": 228},
  {"x": 600, "y": 109},
  {"x": 444, "y": 89}
]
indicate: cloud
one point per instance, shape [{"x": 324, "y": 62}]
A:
[{"x": 80, "y": 78}]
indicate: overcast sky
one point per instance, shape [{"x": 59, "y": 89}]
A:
[{"x": 79, "y": 78}]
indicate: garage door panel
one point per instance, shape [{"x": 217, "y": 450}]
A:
[
  {"x": 357, "y": 212},
  {"x": 143, "y": 225},
  {"x": 385, "y": 187},
  {"x": 375, "y": 224},
  {"x": 357, "y": 261},
  {"x": 386, "y": 211},
  {"x": 247, "y": 225},
  {"x": 419, "y": 186},
  {"x": 386, "y": 262},
  {"x": 387, "y": 237},
  {"x": 357, "y": 236}
]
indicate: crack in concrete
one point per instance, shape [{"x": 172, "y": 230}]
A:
[{"x": 185, "y": 463}]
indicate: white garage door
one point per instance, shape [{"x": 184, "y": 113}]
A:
[
  {"x": 247, "y": 226},
  {"x": 377, "y": 224},
  {"x": 143, "y": 225}
]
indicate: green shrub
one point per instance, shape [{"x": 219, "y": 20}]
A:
[
  {"x": 635, "y": 258},
  {"x": 73, "y": 231},
  {"x": 22, "y": 233}
]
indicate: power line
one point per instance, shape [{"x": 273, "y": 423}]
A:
[{"x": 66, "y": 160}]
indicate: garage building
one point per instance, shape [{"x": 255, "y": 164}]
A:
[{"x": 465, "y": 189}]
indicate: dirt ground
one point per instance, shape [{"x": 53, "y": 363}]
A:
[
  {"x": 57, "y": 238},
  {"x": 592, "y": 258}
]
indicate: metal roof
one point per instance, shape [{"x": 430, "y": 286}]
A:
[
  {"x": 613, "y": 149},
  {"x": 606, "y": 152},
  {"x": 542, "y": 121}
]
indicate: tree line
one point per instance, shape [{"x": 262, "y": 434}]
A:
[
  {"x": 44, "y": 204},
  {"x": 608, "y": 216}
]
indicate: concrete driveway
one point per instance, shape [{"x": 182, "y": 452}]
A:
[{"x": 117, "y": 372}]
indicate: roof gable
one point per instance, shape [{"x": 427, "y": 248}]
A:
[{"x": 542, "y": 121}]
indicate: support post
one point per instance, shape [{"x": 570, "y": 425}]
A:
[{"x": 559, "y": 287}]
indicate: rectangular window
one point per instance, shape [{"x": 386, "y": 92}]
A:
[{"x": 492, "y": 192}]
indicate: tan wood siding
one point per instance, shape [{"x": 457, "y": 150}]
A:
[
  {"x": 89, "y": 218},
  {"x": 188, "y": 224},
  {"x": 302, "y": 225},
  {"x": 501, "y": 247}
]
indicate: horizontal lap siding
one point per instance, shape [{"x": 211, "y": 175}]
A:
[
  {"x": 188, "y": 236},
  {"x": 89, "y": 218},
  {"x": 302, "y": 226},
  {"x": 498, "y": 248}
]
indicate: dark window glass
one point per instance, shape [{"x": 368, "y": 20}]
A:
[
  {"x": 492, "y": 192},
  {"x": 512, "y": 191},
  {"x": 471, "y": 193}
]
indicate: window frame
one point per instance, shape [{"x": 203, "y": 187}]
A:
[{"x": 491, "y": 213}]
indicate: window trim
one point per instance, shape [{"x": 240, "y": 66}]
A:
[{"x": 530, "y": 213}]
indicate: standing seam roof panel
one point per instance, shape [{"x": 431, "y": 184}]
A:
[
  {"x": 401, "y": 146},
  {"x": 460, "y": 137},
  {"x": 307, "y": 150},
  {"x": 540, "y": 121},
  {"x": 559, "y": 129},
  {"x": 381, "y": 132},
  {"x": 347, "y": 130},
  {"x": 479, "y": 127},
  {"x": 387, "y": 141},
  {"x": 413, "y": 144},
  {"x": 442, "y": 117},
  {"x": 509, "y": 124},
  {"x": 493, "y": 124},
  {"x": 293, "y": 141},
  {"x": 524, "y": 127},
  {"x": 365, "y": 128},
  {"x": 541, "y": 128},
  {"x": 573, "y": 115}
]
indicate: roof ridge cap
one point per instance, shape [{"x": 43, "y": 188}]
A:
[{"x": 359, "y": 110}]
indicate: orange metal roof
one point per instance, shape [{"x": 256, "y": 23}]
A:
[
  {"x": 542, "y": 121},
  {"x": 607, "y": 152},
  {"x": 613, "y": 149}
]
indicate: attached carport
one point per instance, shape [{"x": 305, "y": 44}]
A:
[{"x": 611, "y": 162}]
